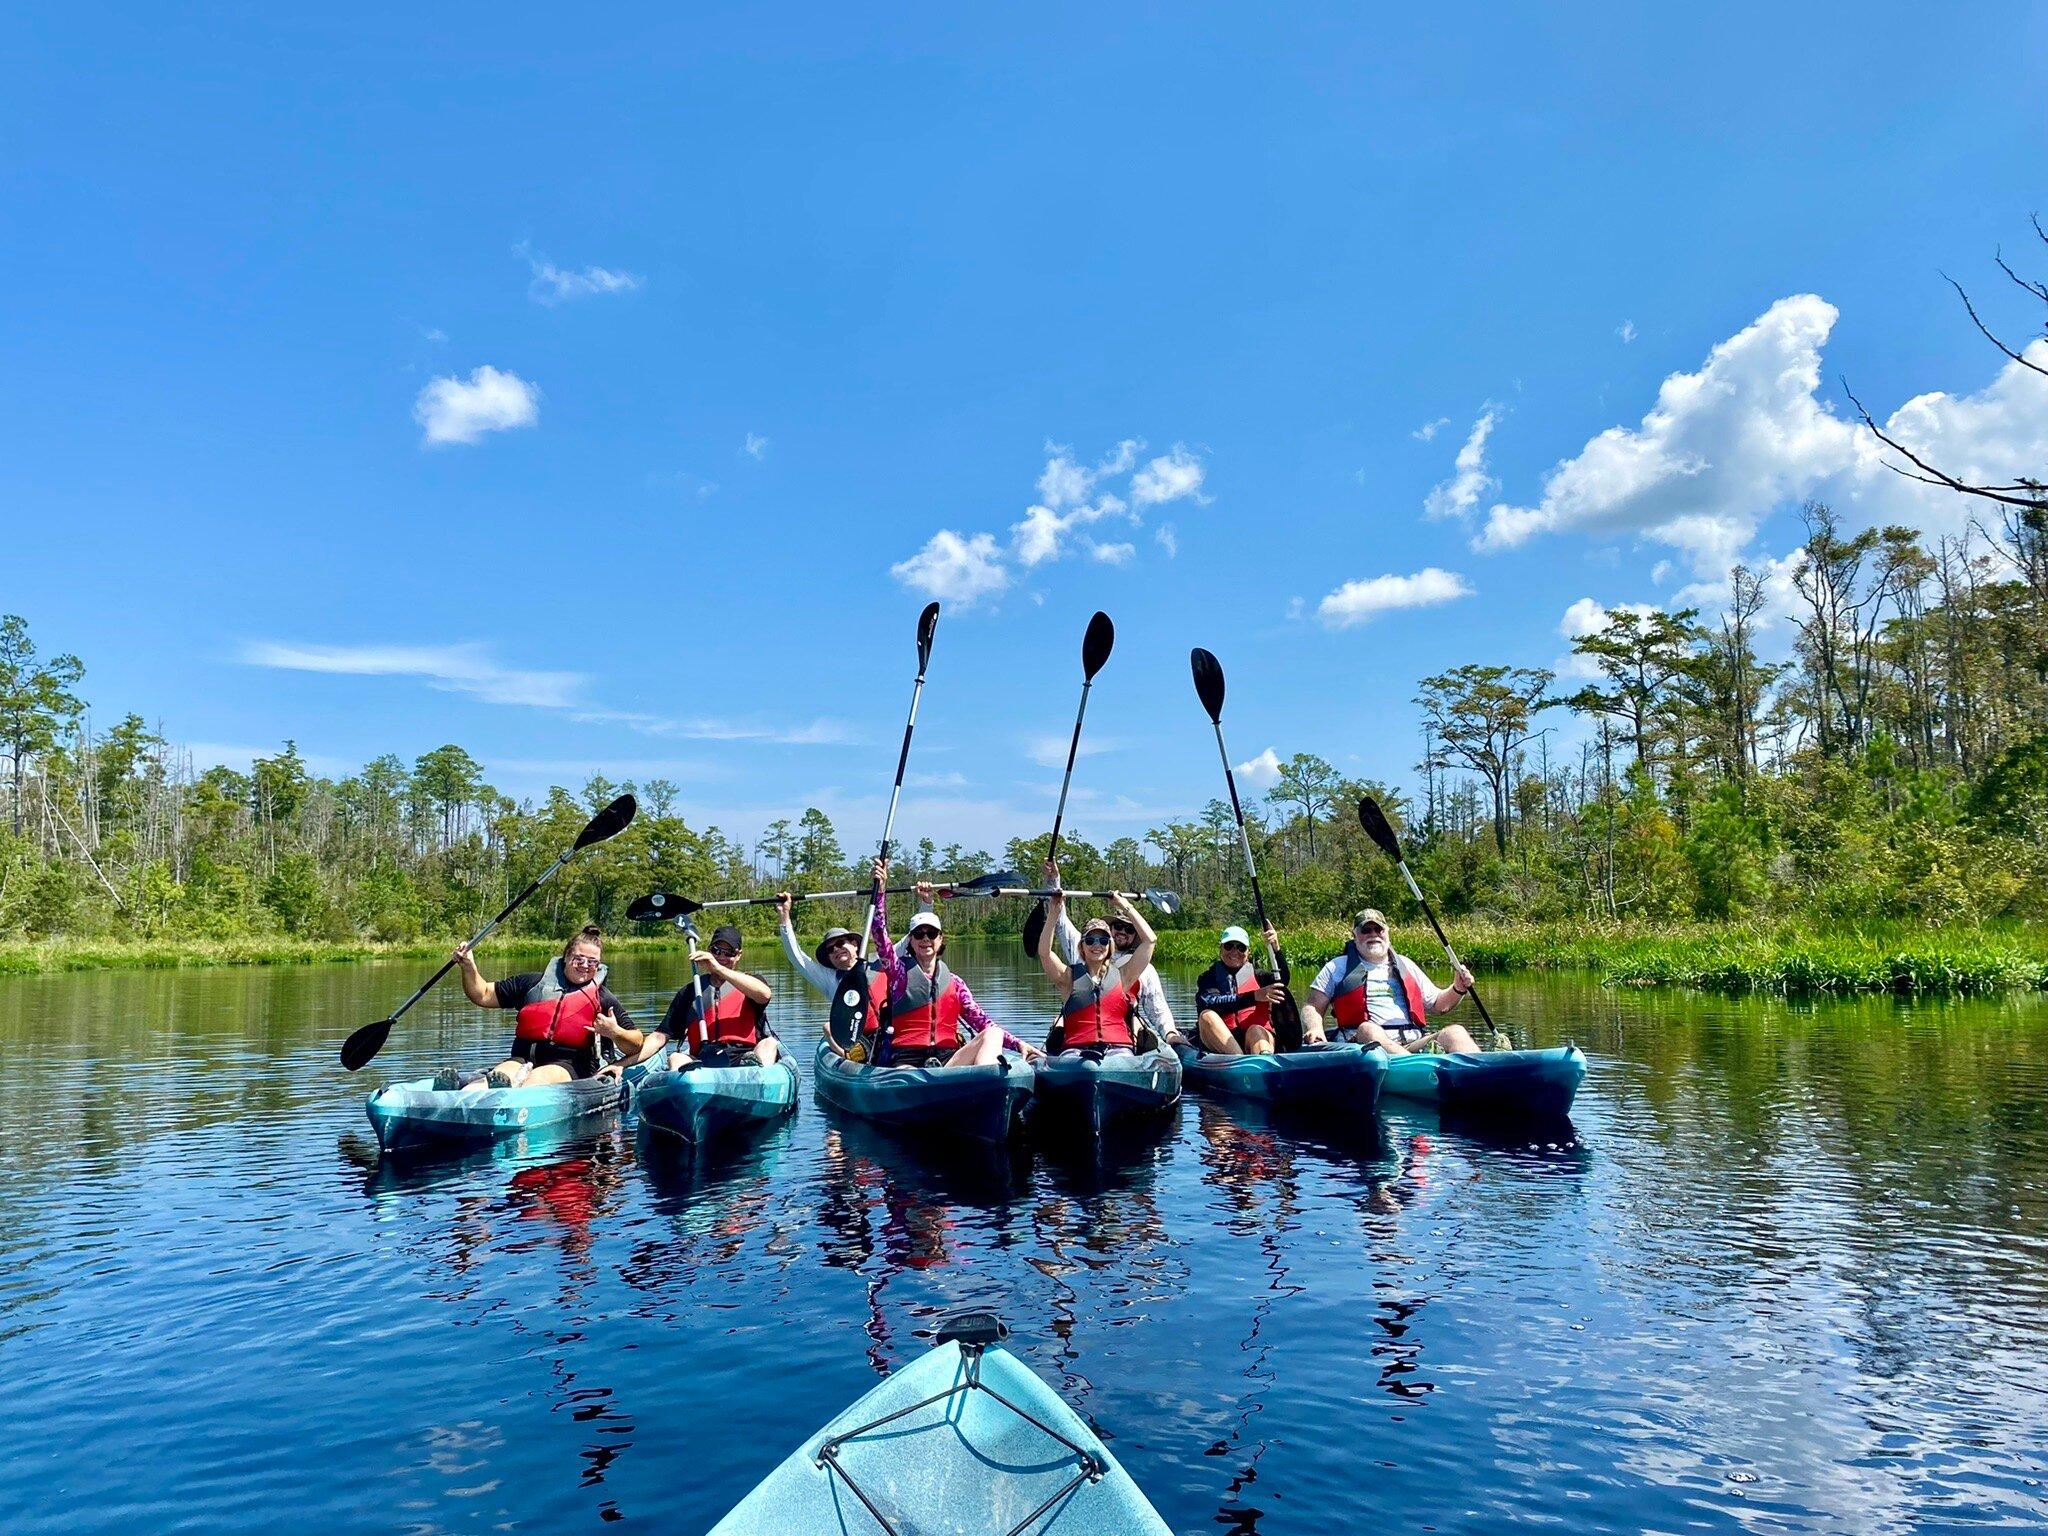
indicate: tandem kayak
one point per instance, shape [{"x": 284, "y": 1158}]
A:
[
  {"x": 705, "y": 1102},
  {"x": 408, "y": 1116},
  {"x": 1532, "y": 1084},
  {"x": 967, "y": 1103},
  {"x": 1118, "y": 1093},
  {"x": 964, "y": 1441},
  {"x": 1323, "y": 1077}
]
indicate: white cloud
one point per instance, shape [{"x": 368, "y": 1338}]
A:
[
  {"x": 454, "y": 411},
  {"x": 554, "y": 285},
  {"x": 1073, "y": 498},
  {"x": 959, "y": 570},
  {"x": 755, "y": 447},
  {"x": 1051, "y": 751},
  {"x": 1423, "y": 434},
  {"x": 1357, "y": 601},
  {"x": 1263, "y": 771},
  {"x": 1588, "y": 617},
  {"x": 1626, "y": 331},
  {"x": 1660, "y": 572},
  {"x": 1168, "y": 478},
  {"x": 465, "y": 669},
  {"x": 1457, "y": 496},
  {"x": 1724, "y": 447}
]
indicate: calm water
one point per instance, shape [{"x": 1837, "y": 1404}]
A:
[{"x": 1789, "y": 1273}]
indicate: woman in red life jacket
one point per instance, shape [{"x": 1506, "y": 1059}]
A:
[
  {"x": 720, "y": 1020},
  {"x": 930, "y": 1009},
  {"x": 564, "y": 1011},
  {"x": 1234, "y": 1003},
  {"x": 1373, "y": 996},
  {"x": 1098, "y": 1008}
]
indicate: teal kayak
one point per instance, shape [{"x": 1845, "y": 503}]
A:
[
  {"x": 966, "y": 1103},
  {"x": 409, "y": 1116},
  {"x": 705, "y": 1102},
  {"x": 1325, "y": 1077},
  {"x": 964, "y": 1441},
  {"x": 1107, "y": 1097},
  {"x": 1534, "y": 1084}
]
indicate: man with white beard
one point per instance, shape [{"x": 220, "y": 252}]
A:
[{"x": 1374, "y": 996}]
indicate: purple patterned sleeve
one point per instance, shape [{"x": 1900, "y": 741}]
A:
[
  {"x": 970, "y": 1011},
  {"x": 892, "y": 963}
]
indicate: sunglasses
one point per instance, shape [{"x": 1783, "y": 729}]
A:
[
  {"x": 1242, "y": 949},
  {"x": 582, "y": 960},
  {"x": 725, "y": 952},
  {"x": 1097, "y": 937},
  {"x": 924, "y": 933},
  {"x": 1123, "y": 928},
  {"x": 1371, "y": 930}
]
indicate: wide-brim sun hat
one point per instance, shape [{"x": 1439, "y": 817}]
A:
[{"x": 832, "y": 936}]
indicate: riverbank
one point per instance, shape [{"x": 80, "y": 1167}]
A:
[{"x": 1786, "y": 959}]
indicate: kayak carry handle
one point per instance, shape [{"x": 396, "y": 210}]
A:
[{"x": 974, "y": 1329}]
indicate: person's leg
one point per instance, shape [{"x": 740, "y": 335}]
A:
[
  {"x": 1215, "y": 1035},
  {"x": 1454, "y": 1037},
  {"x": 1258, "y": 1040},
  {"x": 1370, "y": 1033},
  {"x": 509, "y": 1073},
  {"x": 554, "y": 1072},
  {"x": 767, "y": 1049},
  {"x": 981, "y": 1051}
]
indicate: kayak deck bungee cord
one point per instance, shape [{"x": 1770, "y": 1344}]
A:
[
  {"x": 700, "y": 1104},
  {"x": 1104, "y": 1098}
]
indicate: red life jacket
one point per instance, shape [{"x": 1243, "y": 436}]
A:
[
  {"x": 1097, "y": 1013},
  {"x": 1347, "y": 1003},
  {"x": 556, "y": 1015},
  {"x": 1246, "y": 979},
  {"x": 729, "y": 1017},
  {"x": 927, "y": 1016}
]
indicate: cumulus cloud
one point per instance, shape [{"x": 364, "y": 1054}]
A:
[
  {"x": 1457, "y": 496},
  {"x": 455, "y": 410},
  {"x": 1426, "y": 432},
  {"x": 1748, "y": 433},
  {"x": 960, "y": 570},
  {"x": 1263, "y": 771},
  {"x": 554, "y": 285},
  {"x": 466, "y": 669},
  {"x": 755, "y": 447},
  {"x": 1358, "y": 601},
  {"x": 1075, "y": 511},
  {"x": 1168, "y": 478}
]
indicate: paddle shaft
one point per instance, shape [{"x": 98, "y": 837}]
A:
[
  {"x": 895, "y": 794},
  {"x": 1059, "y": 814},
  {"x": 948, "y": 888},
  {"x": 1244, "y": 838},
  {"x": 1442, "y": 938},
  {"x": 484, "y": 932}
]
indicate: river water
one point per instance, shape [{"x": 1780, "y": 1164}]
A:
[{"x": 1786, "y": 1271}]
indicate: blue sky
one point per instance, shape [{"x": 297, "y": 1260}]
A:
[{"x": 591, "y": 389}]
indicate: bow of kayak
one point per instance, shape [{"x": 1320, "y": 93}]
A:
[
  {"x": 1328, "y": 1077},
  {"x": 1532, "y": 1084},
  {"x": 969, "y": 1103},
  {"x": 413, "y": 1115},
  {"x": 1116, "y": 1094},
  {"x": 705, "y": 1102},
  {"x": 964, "y": 1441}
]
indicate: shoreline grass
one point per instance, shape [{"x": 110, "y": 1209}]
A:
[{"x": 1787, "y": 959}]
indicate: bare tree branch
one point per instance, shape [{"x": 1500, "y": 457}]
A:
[
  {"x": 1998, "y": 493},
  {"x": 2038, "y": 290},
  {"x": 1986, "y": 330}
]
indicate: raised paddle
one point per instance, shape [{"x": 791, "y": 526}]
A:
[
  {"x": 1209, "y": 688},
  {"x": 660, "y": 906},
  {"x": 850, "y": 991},
  {"x": 1381, "y": 831},
  {"x": 1166, "y": 901},
  {"x": 1096, "y": 645},
  {"x": 360, "y": 1047}
]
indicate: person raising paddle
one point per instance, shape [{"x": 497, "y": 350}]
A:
[
  {"x": 1097, "y": 1008},
  {"x": 1376, "y": 997},
  {"x": 564, "y": 1011},
  {"x": 1146, "y": 991},
  {"x": 928, "y": 1004}
]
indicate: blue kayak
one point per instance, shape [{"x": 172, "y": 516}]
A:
[
  {"x": 1531, "y": 1084},
  {"x": 703, "y": 1103},
  {"x": 1104, "y": 1098},
  {"x": 1325, "y": 1077},
  {"x": 964, "y": 1441},
  {"x": 410, "y": 1116},
  {"x": 964, "y": 1103}
]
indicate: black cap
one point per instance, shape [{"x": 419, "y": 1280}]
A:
[{"x": 725, "y": 933}]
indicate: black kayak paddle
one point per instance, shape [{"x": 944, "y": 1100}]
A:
[
  {"x": 660, "y": 906},
  {"x": 1096, "y": 645},
  {"x": 365, "y": 1043}
]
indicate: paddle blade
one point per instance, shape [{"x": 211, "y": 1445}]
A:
[
  {"x": 1167, "y": 903},
  {"x": 1096, "y": 644},
  {"x": 1208, "y": 682},
  {"x": 1034, "y": 930},
  {"x": 927, "y": 626},
  {"x": 850, "y": 1002},
  {"x": 981, "y": 884},
  {"x": 660, "y": 906},
  {"x": 366, "y": 1042},
  {"x": 1378, "y": 828},
  {"x": 609, "y": 822}
]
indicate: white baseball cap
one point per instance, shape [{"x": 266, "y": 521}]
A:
[
  {"x": 925, "y": 920},
  {"x": 1235, "y": 935}
]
